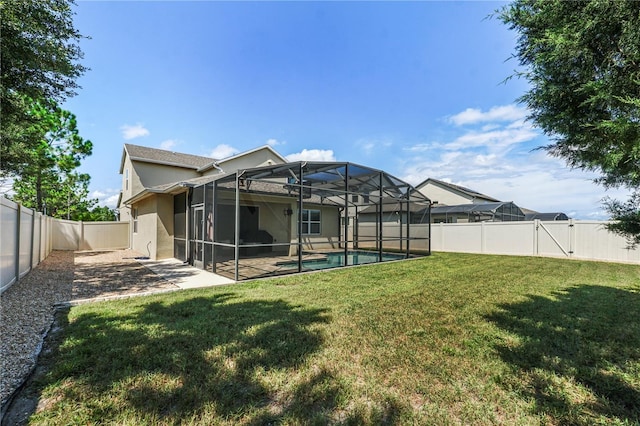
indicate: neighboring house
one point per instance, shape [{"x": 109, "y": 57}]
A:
[
  {"x": 448, "y": 194},
  {"x": 457, "y": 204},
  {"x": 152, "y": 177},
  {"x": 255, "y": 214}
]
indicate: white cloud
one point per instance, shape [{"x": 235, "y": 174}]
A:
[
  {"x": 421, "y": 147},
  {"x": 371, "y": 146},
  {"x": 485, "y": 160},
  {"x": 493, "y": 156},
  {"x": 368, "y": 147},
  {"x": 312, "y": 155},
  {"x": 136, "y": 131},
  {"x": 111, "y": 201},
  {"x": 488, "y": 127},
  {"x": 495, "y": 139},
  {"x": 223, "y": 151},
  {"x": 274, "y": 142},
  {"x": 169, "y": 144},
  {"x": 497, "y": 113},
  {"x": 106, "y": 197},
  {"x": 520, "y": 124}
]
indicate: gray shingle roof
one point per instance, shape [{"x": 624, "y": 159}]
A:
[{"x": 161, "y": 156}]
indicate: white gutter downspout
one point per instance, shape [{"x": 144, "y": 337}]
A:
[{"x": 217, "y": 167}]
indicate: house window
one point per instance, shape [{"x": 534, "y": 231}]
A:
[
  {"x": 126, "y": 179},
  {"x": 135, "y": 220},
  {"x": 310, "y": 222}
]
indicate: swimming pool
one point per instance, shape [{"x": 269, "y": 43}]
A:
[{"x": 335, "y": 259}]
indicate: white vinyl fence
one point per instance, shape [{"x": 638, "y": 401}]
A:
[
  {"x": 71, "y": 235},
  {"x": 574, "y": 239},
  {"x": 27, "y": 238}
]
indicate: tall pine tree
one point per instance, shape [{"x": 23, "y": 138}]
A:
[{"x": 49, "y": 181}]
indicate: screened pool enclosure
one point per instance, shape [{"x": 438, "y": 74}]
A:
[
  {"x": 299, "y": 216},
  {"x": 501, "y": 211}
]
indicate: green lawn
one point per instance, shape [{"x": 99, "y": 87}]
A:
[{"x": 447, "y": 339}]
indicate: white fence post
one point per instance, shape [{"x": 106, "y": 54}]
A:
[
  {"x": 572, "y": 237},
  {"x": 33, "y": 227},
  {"x": 535, "y": 227},
  {"x": 17, "y": 256},
  {"x": 81, "y": 244}
]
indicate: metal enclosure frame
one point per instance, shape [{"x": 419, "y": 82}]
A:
[{"x": 253, "y": 222}]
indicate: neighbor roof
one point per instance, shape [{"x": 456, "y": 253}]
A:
[
  {"x": 546, "y": 216},
  {"x": 161, "y": 156},
  {"x": 457, "y": 188},
  {"x": 396, "y": 207},
  {"x": 472, "y": 208}
]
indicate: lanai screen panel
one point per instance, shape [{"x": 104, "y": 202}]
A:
[
  {"x": 304, "y": 216},
  {"x": 494, "y": 212}
]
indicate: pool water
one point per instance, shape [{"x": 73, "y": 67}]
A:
[{"x": 333, "y": 260}]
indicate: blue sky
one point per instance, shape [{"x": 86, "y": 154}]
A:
[{"x": 414, "y": 88}]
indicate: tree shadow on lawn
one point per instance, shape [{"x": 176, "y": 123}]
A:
[
  {"x": 201, "y": 359},
  {"x": 586, "y": 336}
]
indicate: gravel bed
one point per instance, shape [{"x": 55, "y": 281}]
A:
[{"x": 27, "y": 308}]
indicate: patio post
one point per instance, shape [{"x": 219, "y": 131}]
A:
[
  {"x": 189, "y": 230},
  {"x": 429, "y": 222},
  {"x": 300, "y": 207},
  {"x": 346, "y": 214},
  {"x": 380, "y": 218},
  {"x": 408, "y": 219},
  {"x": 400, "y": 222},
  {"x": 214, "y": 248},
  {"x": 237, "y": 229}
]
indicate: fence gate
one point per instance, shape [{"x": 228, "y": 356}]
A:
[{"x": 554, "y": 238}]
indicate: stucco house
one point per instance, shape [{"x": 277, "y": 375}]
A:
[
  {"x": 448, "y": 194},
  {"x": 152, "y": 178},
  {"x": 255, "y": 214},
  {"x": 458, "y": 204}
]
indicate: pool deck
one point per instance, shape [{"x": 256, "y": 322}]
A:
[
  {"x": 183, "y": 275},
  {"x": 261, "y": 266},
  {"x": 274, "y": 265}
]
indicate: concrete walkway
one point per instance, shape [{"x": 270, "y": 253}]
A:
[{"x": 184, "y": 275}]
